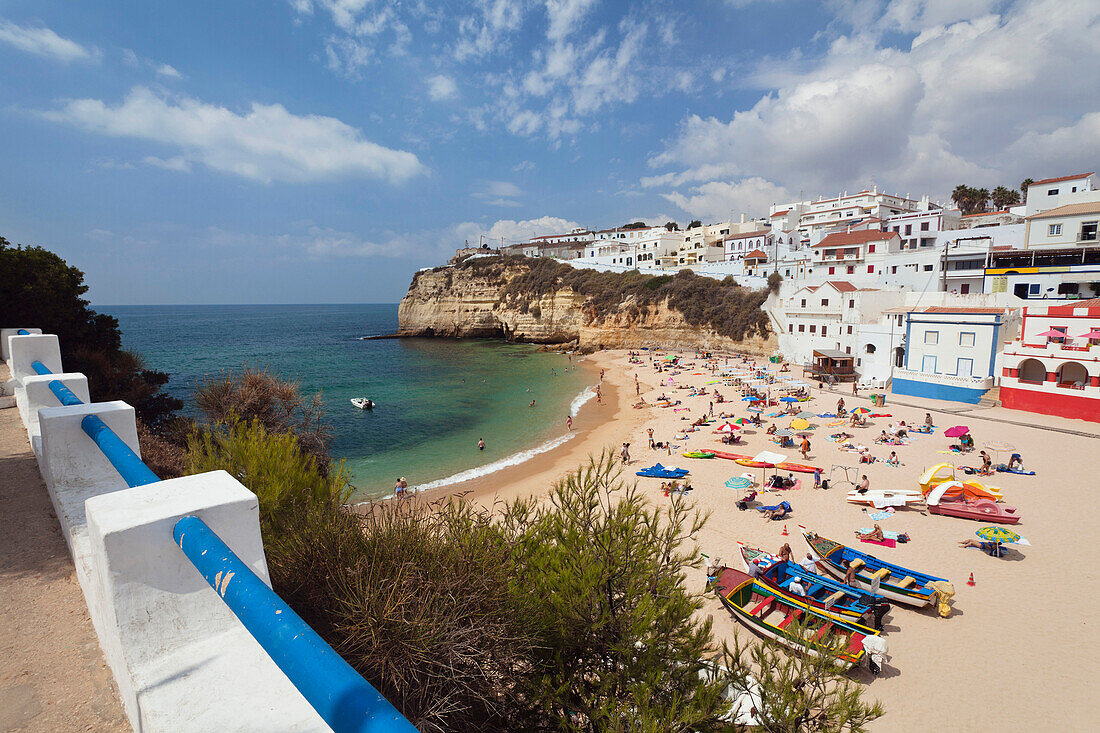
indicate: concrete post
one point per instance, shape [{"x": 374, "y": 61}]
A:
[
  {"x": 165, "y": 631},
  {"x": 34, "y": 393},
  {"x": 27, "y": 349},
  {"x": 5, "y": 352}
]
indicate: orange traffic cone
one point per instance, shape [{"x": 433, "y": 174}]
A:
[
  {"x": 785, "y": 533},
  {"x": 971, "y": 581}
]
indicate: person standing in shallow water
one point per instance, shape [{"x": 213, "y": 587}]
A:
[
  {"x": 481, "y": 444},
  {"x": 568, "y": 422}
]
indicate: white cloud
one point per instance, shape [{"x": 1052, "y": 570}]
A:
[
  {"x": 486, "y": 32},
  {"x": 131, "y": 59},
  {"x": 976, "y": 97},
  {"x": 44, "y": 42},
  {"x": 266, "y": 143},
  {"x": 499, "y": 193},
  {"x": 566, "y": 16},
  {"x": 719, "y": 200},
  {"x": 169, "y": 71},
  {"x": 441, "y": 87},
  {"x": 522, "y": 166},
  {"x": 178, "y": 163},
  {"x": 512, "y": 231},
  {"x": 608, "y": 77}
]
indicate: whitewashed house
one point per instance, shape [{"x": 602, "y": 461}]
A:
[
  {"x": 1050, "y": 193},
  {"x": 825, "y": 317}
]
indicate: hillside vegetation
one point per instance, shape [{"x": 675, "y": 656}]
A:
[{"x": 721, "y": 305}]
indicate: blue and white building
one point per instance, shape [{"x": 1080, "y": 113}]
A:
[{"x": 951, "y": 353}]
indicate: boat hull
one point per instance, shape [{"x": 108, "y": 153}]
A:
[
  {"x": 846, "y": 609},
  {"x": 982, "y": 511},
  {"x": 833, "y": 554}
]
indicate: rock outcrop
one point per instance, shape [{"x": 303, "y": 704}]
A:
[{"x": 468, "y": 302}]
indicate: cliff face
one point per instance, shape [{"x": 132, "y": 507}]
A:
[{"x": 467, "y": 302}]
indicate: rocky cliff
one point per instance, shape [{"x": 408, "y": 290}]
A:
[{"x": 550, "y": 303}]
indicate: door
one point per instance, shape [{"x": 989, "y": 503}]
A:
[
  {"x": 966, "y": 368},
  {"x": 964, "y": 288},
  {"x": 928, "y": 365}
]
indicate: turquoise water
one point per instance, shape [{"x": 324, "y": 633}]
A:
[{"x": 435, "y": 397}]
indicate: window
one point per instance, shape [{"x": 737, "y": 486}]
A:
[
  {"x": 790, "y": 328},
  {"x": 924, "y": 226},
  {"x": 964, "y": 288},
  {"x": 1054, "y": 230},
  {"x": 803, "y": 302},
  {"x": 1052, "y": 192},
  {"x": 849, "y": 330},
  {"x": 847, "y": 349},
  {"x": 966, "y": 338},
  {"x": 1088, "y": 231},
  {"x": 824, "y": 302},
  {"x": 870, "y": 347},
  {"x": 908, "y": 229},
  {"x": 870, "y": 268},
  {"x": 870, "y": 248},
  {"x": 852, "y": 303},
  {"x": 931, "y": 337},
  {"x": 801, "y": 327},
  {"x": 824, "y": 330},
  {"x": 1033, "y": 289},
  {"x": 813, "y": 329},
  {"x": 928, "y": 268},
  {"x": 894, "y": 270},
  {"x": 851, "y": 269},
  {"x": 897, "y": 228},
  {"x": 832, "y": 270}
]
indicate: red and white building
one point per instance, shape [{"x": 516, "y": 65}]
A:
[{"x": 1055, "y": 374}]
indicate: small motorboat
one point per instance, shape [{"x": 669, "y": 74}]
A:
[
  {"x": 659, "y": 471},
  {"x": 894, "y": 582},
  {"x": 882, "y": 498},
  {"x": 755, "y": 606},
  {"x": 362, "y": 403},
  {"x": 981, "y": 510}
]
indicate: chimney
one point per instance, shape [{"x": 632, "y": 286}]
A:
[{"x": 742, "y": 218}]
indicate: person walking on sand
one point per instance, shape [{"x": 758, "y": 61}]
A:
[
  {"x": 625, "y": 453},
  {"x": 601, "y": 375},
  {"x": 712, "y": 409},
  {"x": 855, "y": 389},
  {"x": 481, "y": 443},
  {"x": 399, "y": 489},
  {"x": 568, "y": 422},
  {"x": 840, "y": 407},
  {"x": 599, "y": 397},
  {"x": 805, "y": 447}
]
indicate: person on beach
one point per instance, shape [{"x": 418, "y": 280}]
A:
[
  {"x": 601, "y": 375},
  {"x": 532, "y": 404},
  {"x": 399, "y": 489},
  {"x": 875, "y": 535},
  {"x": 987, "y": 464},
  {"x": 840, "y": 407},
  {"x": 599, "y": 397},
  {"x": 785, "y": 552},
  {"x": 864, "y": 485},
  {"x": 481, "y": 444},
  {"x": 808, "y": 564},
  {"x": 568, "y": 422},
  {"x": 625, "y": 453},
  {"x": 804, "y": 447},
  {"x": 652, "y": 445},
  {"x": 928, "y": 420},
  {"x": 893, "y": 459},
  {"x": 849, "y": 574},
  {"x": 796, "y": 588},
  {"x": 1016, "y": 462},
  {"x": 817, "y": 479},
  {"x": 855, "y": 389},
  {"x": 993, "y": 549}
]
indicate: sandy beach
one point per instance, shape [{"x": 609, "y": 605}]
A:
[{"x": 1018, "y": 649}]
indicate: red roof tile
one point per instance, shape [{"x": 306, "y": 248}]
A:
[
  {"x": 859, "y": 236},
  {"x": 842, "y": 286},
  {"x": 756, "y": 255},
  {"x": 781, "y": 213},
  {"x": 1062, "y": 178}
]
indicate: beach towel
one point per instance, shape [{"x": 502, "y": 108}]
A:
[
  {"x": 780, "y": 505},
  {"x": 885, "y": 534},
  {"x": 879, "y": 516},
  {"x": 884, "y": 543},
  {"x": 827, "y": 414},
  {"x": 880, "y": 414},
  {"x": 1003, "y": 468}
]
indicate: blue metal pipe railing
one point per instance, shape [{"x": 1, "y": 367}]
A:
[{"x": 339, "y": 694}]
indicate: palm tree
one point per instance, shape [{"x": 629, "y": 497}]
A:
[
  {"x": 981, "y": 199},
  {"x": 1004, "y": 197},
  {"x": 961, "y": 197},
  {"x": 1023, "y": 187}
]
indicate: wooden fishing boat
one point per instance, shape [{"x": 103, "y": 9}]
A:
[
  {"x": 824, "y": 594},
  {"x": 895, "y": 582},
  {"x": 768, "y": 615}
]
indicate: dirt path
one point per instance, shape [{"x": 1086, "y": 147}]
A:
[{"x": 53, "y": 676}]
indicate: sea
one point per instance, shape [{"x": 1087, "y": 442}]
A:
[{"x": 435, "y": 398}]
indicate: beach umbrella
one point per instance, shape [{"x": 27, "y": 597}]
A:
[
  {"x": 788, "y": 399},
  {"x": 728, "y": 428},
  {"x": 1051, "y": 334},
  {"x": 1091, "y": 335},
  {"x": 739, "y": 482},
  {"x": 861, "y": 411},
  {"x": 783, "y": 432},
  {"x": 1000, "y": 447},
  {"x": 805, "y": 415},
  {"x": 957, "y": 431},
  {"x": 752, "y": 398},
  {"x": 998, "y": 534},
  {"x": 799, "y": 424},
  {"x": 742, "y": 421}
]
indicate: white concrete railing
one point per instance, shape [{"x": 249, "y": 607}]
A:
[
  {"x": 182, "y": 660},
  {"x": 948, "y": 379}
]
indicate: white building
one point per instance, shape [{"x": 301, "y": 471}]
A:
[
  {"x": 816, "y": 216},
  {"x": 858, "y": 255},
  {"x": 950, "y": 353},
  {"x": 1050, "y": 193},
  {"x": 631, "y": 248},
  {"x": 825, "y": 317},
  {"x": 1071, "y": 225}
]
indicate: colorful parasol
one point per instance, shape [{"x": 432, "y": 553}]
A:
[
  {"x": 739, "y": 482},
  {"x": 1000, "y": 447},
  {"x": 1051, "y": 334},
  {"x": 861, "y": 411},
  {"x": 957, "y": 431},
  {"x": 742, "y": 421},
  {"x": 783, "y": 433},
  {"x": 799, "y": 424},
  {"x": 998, "y": 534},
  {"x": 805, "y": 415},
  {"x": 788, "y": 399},
  {"x": 728, "y": 428}
]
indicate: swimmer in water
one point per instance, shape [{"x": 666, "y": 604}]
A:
[{"x": 481, "y": 444}]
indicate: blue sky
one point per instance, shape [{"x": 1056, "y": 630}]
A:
[{"x": 323, "y": 150}]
